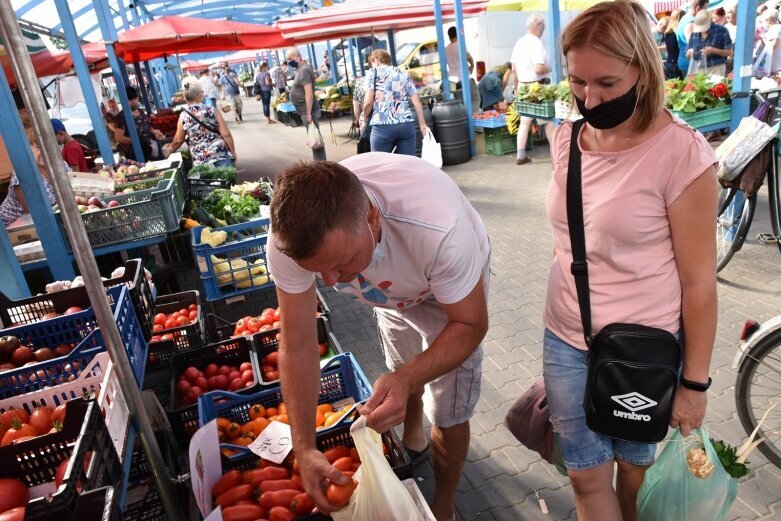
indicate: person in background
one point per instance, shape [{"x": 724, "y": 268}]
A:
[
  {"x": 72, "y": 153},
  {"x": 204, "y": 129},
  {"x": 263, "y": 84},
  {"x": 684, "y": 31},
  {"x": 302, "y": 95},
  {"x": 397, "y": 234},
  {"x": 492, "y": 86},
  {"x": 211, "y": 90},
  {"x": 731, "y": 15},
  {"x": 772, "y": 40},
  {"x": 710, "y": 43},
  {"x": 146, "y": 133},
  {"x": 231, "y": 90},
  {"x": 389, "y": 93},
  {"x": 531, "y": 63},
  {"x": 279, "y": 77},
  {"x": 649, "y": 194},
  {"x": 719, "y": 16},
  {"x": 359, "y": 95},
  {"x": 659, "y": 32},
  {"x": 453, "y": 61},
  {"x": 671, "y": 69}
]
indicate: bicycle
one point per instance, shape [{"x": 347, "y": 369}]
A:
[
  {"x": 758, "y": 384},
  {"x": 736, "y": 209}
]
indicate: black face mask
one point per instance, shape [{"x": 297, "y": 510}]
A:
[
  {"x": 611, "y": 113},
  {"x": 292, "y": 63}
]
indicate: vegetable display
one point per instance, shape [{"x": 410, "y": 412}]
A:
[
  {"x": 224, "y": 203},
  {"x": 226, "y": 173},
  {"x": 194, "y": 382}
]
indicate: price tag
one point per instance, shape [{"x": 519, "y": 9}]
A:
[{"x": 274, "y": 443}]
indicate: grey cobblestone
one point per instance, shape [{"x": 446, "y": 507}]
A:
[{"x": 500, "y": 476}]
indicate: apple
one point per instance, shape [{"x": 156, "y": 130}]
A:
[
  {"x": 104, "y": 173},
  {"x": 132, "y": 170},
  {"x": 122, "y": 170},
  {"x": 127, "y": 191},
  {"x": 81, "y": 200},
  {"x": 94, "y": 201},
  {"x": 82, "y": 208},
  {"x": 113, "y": 204},
  {"x": 73, "y": 309}
]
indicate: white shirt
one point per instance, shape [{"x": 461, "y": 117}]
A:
[
  {"x": 732, "y": 30},
  {"x": 774, "y": 33},
  {"x": 453, "y": 63},
  {"x": 209, "y": 88},
  {"x": 527, "y": 53},
  {"x": 433, "y": 244}
]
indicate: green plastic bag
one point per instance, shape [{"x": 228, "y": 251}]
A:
[{"x": 672, "y": 492}]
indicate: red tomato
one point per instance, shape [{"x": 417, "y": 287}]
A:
[
  {"x": 228, "y": 480},
  {"x": 183, "y": 386},
  {"x": 247, "y": 376},
  {"x": 277, "y": 315},
  {"x": 18, "y": 430},
  {"x": 59, "y": 414},
  {"x": 276, "y": 325},
  {"x": 202, "y": 383},
  {"x": 270, "y": 376},
  {"x": 41, "y": 419},
  {"x": 73, "y": 309},
  {"x": 221, "y": 382},
  {"x": 193, "y": 316},
  {"x": 246, "y": 365},
  {"x": 243, "y": 512},
  {"x": 15, "y": 514},
  {"x": 8, "y": 416},
  {"x": 236, "y": 384},
  {"x": 278, "y": 498},
  {"x": 182, "y": 320},
  {"x": 211, "y": 370},
  {"x": 280, "y": 514},
  {"x": 193, "y": 307},
  {"x": 13, "y": 494},
  {"x": 224, "y": 369},
  {"x": 184, "y": 312},
  {"x": 253, "y": 325},
  {"x": 267, "y": 319},
  {"x": 194, "y": 393},
  {"x": 160, "y": 318},
  {"x": 174, "y": 315},
  {"x": 339, "y": 495},
  {"x": 170, "y": 323},
  {"x": 265, "y": 328},
  {"x": 191, "y": 373},
  {"x": 167, "y": 336},
  {"x": 302, "y": 504},
  {"x": 233, "y": 375}
]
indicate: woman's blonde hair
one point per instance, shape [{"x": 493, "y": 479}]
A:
[
  {"x": 622, "y": 30},
  {"x": 675, "y": 19}
]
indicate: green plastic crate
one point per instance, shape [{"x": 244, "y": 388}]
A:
[
  {"x": 499, "y": 141},
  {"x": 546, "y": 109},
  {"x": 146, "y": 184},
  {"x": 702, "y": 118}
]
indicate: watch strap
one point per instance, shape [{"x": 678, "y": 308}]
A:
[{"x": 696, "y": 386}]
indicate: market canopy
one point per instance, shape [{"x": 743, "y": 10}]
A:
[
  {"x": 55, "y": 63},
  {"x": 539, "y": 5},
  {"x": 366, "y": 16},
  {"x": 177, "y": 34},
  {"x": 192, "y": 65}
]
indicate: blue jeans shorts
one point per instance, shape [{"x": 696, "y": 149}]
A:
[{"x": 564, "y": 369}]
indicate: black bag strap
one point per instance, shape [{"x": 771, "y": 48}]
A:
[
  {"x": 577, "y": 236},
  {"x": 201, "y": 123}
]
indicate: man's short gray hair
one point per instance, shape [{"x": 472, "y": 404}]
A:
[
  {"x": 192, "y": 91},
  {"x": 533, "y": 20},
  {"x": 293, "y": 52}
]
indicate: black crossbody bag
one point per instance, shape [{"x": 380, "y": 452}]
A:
[{"x": 633, "y": 370}]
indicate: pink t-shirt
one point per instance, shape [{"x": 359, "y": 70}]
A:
[
  {"x": 632, "y": 272},
  {"x": 433, "y": 242}
]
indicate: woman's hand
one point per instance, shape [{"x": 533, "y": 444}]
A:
[{"x": 688, "y": 409}]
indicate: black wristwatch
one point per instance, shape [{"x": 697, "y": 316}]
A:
[{"x": 695, "y": 386}]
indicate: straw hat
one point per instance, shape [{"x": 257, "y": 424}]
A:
[{"x": 702, "y": 22}]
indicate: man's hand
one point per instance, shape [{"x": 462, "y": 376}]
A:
[
  {"x": 316, "y": 473},
  {"x": 309, "y": 118},
  {"x": 688, "y": 410},
  {"x": 388, "y": 403},
  {"x": 690, "y": 53},
  {"x": 423, "y": 130}
]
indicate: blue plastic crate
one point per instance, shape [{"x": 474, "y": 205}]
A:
[
  {"x": 81, "y": 329},
  {"x": 246, "y": 242},
  {"x": 496, "y": 122},
  {"x": 340, "y": 378}
]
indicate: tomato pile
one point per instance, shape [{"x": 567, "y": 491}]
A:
[
  {"x": 194, "y": 382},
  {"x": 276, "y": 492},
  {"x": 266, "y": 321},
  {"x": 164, "y": 322},
  {"x": 13, "y": 499},
  {"x": 17, "y": 426},
  {"x": 489, "y": 114},
  {"x": 14, "y": 355}
]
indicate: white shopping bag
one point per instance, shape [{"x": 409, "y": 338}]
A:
[
  {"x": 380, "y": 495},
  {"x": 432, "y": 152},
  {"x": 742, "y": 146},
  {"x": 313, "y": 137}
]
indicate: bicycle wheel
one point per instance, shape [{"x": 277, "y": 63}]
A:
[
  {"x": 732, "y": 224},
  {"x": 758, "y": 386}
]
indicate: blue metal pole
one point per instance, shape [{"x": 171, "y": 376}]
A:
[
  {"x": 109, "y": 33},
  {"x": 147, "y": 68},
  {"x": 165, "y": 94},
  {"x": 361, "y": 64},
  {"x": 553, "y": 37},
  {"x": 441, "y": 49},
  {"x": 743, "y": 62},
  {"x": 313, "y": 54},
  {"x": 12, "y": 281},
  {"x": 136, "y": 65},
  {"x": 26, "y": 168},
  {"x": 392, "y": 47},
  {"x": 334, "y": 73},
  {"x": 82, "y": 73},
  {"x": 351, "y": 50},
  {"x": 466, "y": 86},
  {"x": 276, "y": 53}
]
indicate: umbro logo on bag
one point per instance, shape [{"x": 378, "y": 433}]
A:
[{"x": 634, "y": 402}]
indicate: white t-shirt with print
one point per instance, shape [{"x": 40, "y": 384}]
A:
[
  {"x": 433, "y": 243},
  {"x": 528, "y": 52}
]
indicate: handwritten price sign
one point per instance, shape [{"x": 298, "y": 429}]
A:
[{"x": 274, "y": 443}]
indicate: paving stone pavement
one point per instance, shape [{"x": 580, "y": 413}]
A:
[{"x": 500, "y": 477}]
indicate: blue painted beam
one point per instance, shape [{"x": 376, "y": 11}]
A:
[
  {"x": 743, "y": 59},
  {"x": 120, "y": 75},
  {"x": 76, "y": 15},
  {"x": 32, "y": 4},
  {"x": 441, "y": 49},
  {"x": 334, "y": 72},
  {"x": 392, "y": 47},
  {"x": 83, "y": 74},
  {"x": 351, "y": 49},
  {"x": 31, "y": 183},
  {"x": 553, "y": 38},
  {"x": 466, "y": 86}
]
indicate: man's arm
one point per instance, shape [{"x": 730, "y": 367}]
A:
[
  {"x": 466, "y": 327},
  {"x": 300, "y": 379},
  {"x": 179, "y": 137},
  {"x": 309, "y": 97}
]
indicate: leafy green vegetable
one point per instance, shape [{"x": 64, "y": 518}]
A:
[
  {"x": 222, "y": 203},
  {"x": 227, "y": 173},
  {"x": 728, "y": 457}
]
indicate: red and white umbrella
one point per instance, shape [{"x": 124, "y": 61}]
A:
[
  {"x": 664, "y": 6},
  {"x": 360, "y": 17}
]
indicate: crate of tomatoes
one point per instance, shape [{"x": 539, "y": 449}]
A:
[
  {"x": 50, "y": 465},
  {"x": 229, "y": 365},
  {"x": 178, "y": 327}
]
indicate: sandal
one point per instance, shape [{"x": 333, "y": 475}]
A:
[{"x": 416, "y": 456}]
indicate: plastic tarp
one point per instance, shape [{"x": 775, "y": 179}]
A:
[
  {"x": 362, "y": 17},
  {"x": 178, "y": 34},
  {"x": 55, "y": 63}
]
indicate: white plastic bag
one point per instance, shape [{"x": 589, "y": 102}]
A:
[
  {"x": 313, "y": 137},
  {"x": 431, "y": 152},
  {"x": 742, "y": 146},
  {"x": 380, "y": 495}
]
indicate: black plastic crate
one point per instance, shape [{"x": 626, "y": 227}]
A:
[
  {"x": 188, "y": 336},
  {"x": 101, "y": 504},
  {"x": 35, "y": 462},
  {"x": 267, "y": 342},
  {"x": 202, "y": 188},
  {"x": 184, "y": 420}
]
